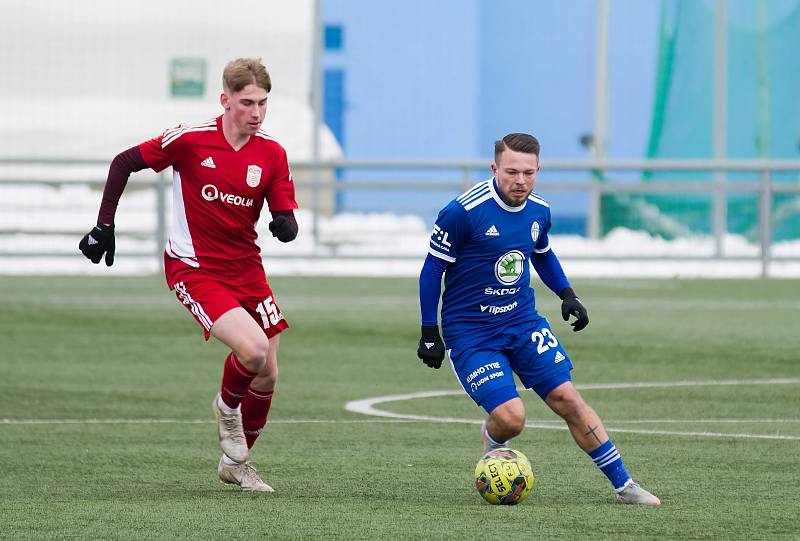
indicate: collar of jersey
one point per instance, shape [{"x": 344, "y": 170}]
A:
[{"x": 503, "y": 205}]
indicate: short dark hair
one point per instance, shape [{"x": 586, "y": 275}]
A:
[{"x": 518, "y": 142}]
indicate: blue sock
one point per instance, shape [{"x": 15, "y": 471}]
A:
[{"x": 607, "y": 458}]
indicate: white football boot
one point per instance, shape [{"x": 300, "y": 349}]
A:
[
  {"x": 231, "y": 433},
  {"x": 244, "y": 475},
  {"x": 634, "y": 494}
]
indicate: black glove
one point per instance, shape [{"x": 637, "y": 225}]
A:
[
  {"x": 431, "y": 347},
  {"x": 283, "y": 228},
  {"x": 98, "y": 241},
  {"x": 572, "y": 305}
]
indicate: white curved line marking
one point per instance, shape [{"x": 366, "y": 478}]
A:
[{"x": 366, "y": 406}]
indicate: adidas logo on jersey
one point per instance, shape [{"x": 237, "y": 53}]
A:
[
  {"x": 208, "y": 162},
  {"x": 559, "y": 357},
  {"x": 492, "y": 232}
]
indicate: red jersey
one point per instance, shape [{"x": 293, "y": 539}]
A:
[{"x": 218, "y": 193}]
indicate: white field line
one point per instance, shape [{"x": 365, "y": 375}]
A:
[
  {"x": 166, "y": 298},
  {"x": 700, "y": 421},
  {"x": 367, "y": 407},
  {"x": 359, "y": 421},
  {"x": 690, "y": 383},
  {"x": 188, "y": 421}
]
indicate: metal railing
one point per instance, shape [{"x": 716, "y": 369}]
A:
[{"x": 318, "y": 180}]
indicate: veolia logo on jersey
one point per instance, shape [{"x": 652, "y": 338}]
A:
[
  {"x": 509, "y": 268},
  {"x": 212, "y": 193},
  {"x": 535, "y": 231}
]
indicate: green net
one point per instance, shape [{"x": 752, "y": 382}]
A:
[{"x": 762, "y": 117}]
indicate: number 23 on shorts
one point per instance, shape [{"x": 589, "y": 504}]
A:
[{"x": 544, "y": 340}]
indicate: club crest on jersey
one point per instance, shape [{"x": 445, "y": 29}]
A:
[
  {"x": 509, "y": 267},
  {"x": 535, "y": 231},
  {"x": 253, "y": 175}
]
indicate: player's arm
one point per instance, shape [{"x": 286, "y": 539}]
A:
[
  {"x": 450, "y": 233},
  {"x": 431, "y": 347},
  {"x": 281, "y": 195},
  {"x": 100, "y": 240},
  {"x": 549, "y": 269}
]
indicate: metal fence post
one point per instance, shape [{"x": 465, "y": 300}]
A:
[
  {"x": 593, "y": 219},
  {"x": 719, "y": 212},
  {"x": 719, "y": 204},
  {"x": 315, "y": 188},
  {"x": 765, "y": 221}
]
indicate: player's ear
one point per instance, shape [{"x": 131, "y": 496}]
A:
[
  {"x": 224, "y": 100},
  {"x": 494, "y": 169}
]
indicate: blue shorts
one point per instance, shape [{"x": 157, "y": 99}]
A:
[{"x": 531, "y": 351}]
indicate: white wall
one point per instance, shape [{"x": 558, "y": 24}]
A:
[{"x": 88, "y": 78}]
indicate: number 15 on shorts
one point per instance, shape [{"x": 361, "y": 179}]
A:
[{"x": 269, "y": 312}]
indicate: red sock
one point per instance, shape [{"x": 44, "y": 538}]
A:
[
  {"x": 235, "y": 381},
  {"x": 255, "y": 408}
]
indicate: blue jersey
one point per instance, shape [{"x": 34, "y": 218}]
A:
[{"x": 487, "y": 246}]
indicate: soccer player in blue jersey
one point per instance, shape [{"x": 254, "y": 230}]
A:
[{"x": 483, "y": 242}]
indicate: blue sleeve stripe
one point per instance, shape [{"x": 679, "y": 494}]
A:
[
  {"x": 543, "y": 250},
  {"x": 440, "y": 255}
]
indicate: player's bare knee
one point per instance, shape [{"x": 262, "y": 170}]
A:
[
  {"x": 254, "y": 356},
  {"x": 566, "y": 404},
  {"x": 516, "y": 422},
  {"x": 511, "y": 420}
]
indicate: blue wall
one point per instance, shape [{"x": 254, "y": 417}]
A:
[
  {"x": 537, "y": 77},
  {"x": 445, "y": 79},
  {"x": 411, "y": 76}
]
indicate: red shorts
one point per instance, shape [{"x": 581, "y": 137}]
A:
[{"x": 207, "y": 297}]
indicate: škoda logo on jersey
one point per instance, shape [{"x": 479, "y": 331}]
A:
[
  {"x": 509, "y": 267},
  {"x": 212, "y": 193}
]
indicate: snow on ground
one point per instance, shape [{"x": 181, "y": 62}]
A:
[{"x": 39, "y": 219}]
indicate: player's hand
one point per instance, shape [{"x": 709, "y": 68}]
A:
[
  {"x": 97, "y": 242},
  {"x": 282, "y": 228},
  {"x": 571, "y": 305},
  {"x": 431, "y": 347}
]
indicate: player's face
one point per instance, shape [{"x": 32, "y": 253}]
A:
[
  {"x": 516, "y": 175},
  {"x": 246, "y": 108}
]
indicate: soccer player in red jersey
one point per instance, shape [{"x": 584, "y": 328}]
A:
[{"x": 223, "y": 170}]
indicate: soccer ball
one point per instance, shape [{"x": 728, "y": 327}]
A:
[{"x": 504, "y": 477}]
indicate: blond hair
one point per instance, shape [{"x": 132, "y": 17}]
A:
[{"x": 245, "y": 71}]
